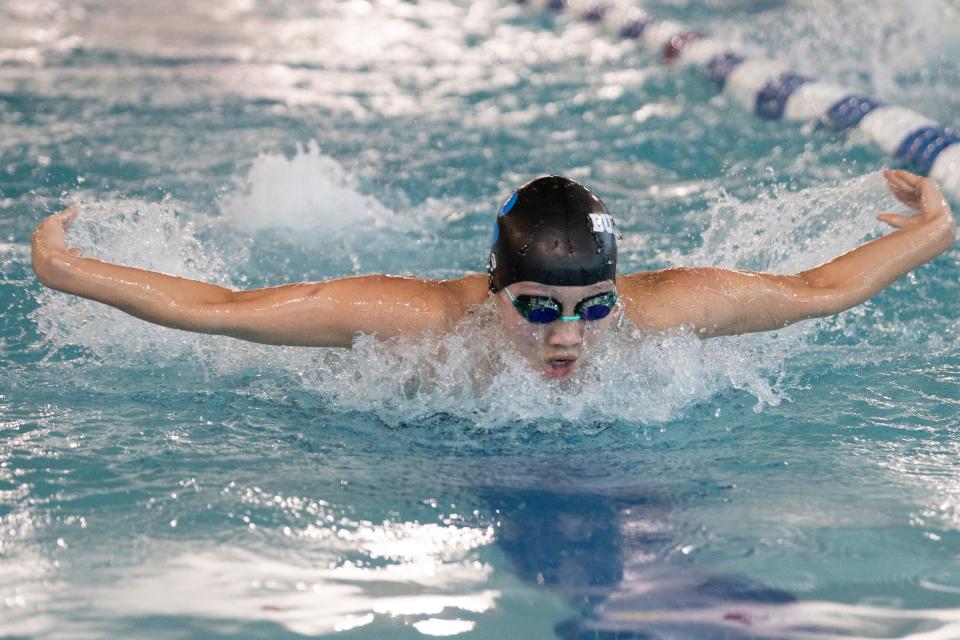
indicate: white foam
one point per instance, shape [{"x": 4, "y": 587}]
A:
[
  {"x": 788, "y": 231},
  {"x": 139, "y": 234},
  {"x": 309, "y": 191},
  {"x": 474, "y": 373}
]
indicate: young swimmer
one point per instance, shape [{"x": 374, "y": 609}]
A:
[{"x": 551, "y": 272}]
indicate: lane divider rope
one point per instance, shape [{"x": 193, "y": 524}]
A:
[{"x": 772, "y": 91}]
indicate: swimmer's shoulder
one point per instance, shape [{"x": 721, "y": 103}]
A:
[{"x": 463, "y": 293}]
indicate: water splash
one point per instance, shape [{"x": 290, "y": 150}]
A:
[
  {"x": 474, "y": 373},
  {"x": 152, "y": 236},
  {"x": 784, "y": 231},
  {"x": 309, "y": 191}
]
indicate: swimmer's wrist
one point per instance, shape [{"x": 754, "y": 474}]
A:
[
  {"x": 50, "y": 256},
  {"x": 943, "y": 225},
  {"x": 53, "y": 265}
]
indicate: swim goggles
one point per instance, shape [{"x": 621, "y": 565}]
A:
[{"x": 544, "y": 310}]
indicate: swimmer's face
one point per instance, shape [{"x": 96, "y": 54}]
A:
[{"x": 556, "y": 349}]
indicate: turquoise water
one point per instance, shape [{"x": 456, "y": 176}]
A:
[{"x": 798, "y": 484}]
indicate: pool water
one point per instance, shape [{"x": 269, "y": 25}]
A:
[{"x": 803, "y": 483}]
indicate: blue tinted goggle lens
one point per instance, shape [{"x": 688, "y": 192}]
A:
[
  {"x": 542, "y": 310},
  {"x": 539, "y": 314},
  {"x": 597, "y": 311}
]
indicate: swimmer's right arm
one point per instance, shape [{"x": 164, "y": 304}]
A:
[{"x": 323, "y": 314}]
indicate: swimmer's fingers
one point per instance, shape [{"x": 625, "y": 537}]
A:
[
  {"x": 51, "y": 233},
  {"x": 67, "y": 216},
  {"x": 896, "y": 220},
  {"x": 932, "y": 202},
  {"x": 905, "y": 186},
  {"x": 920, "y": 194}
]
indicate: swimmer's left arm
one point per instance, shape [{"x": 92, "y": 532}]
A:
[{"x": 722, "y": 302}]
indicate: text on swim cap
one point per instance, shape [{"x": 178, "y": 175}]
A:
[{"x": 602, "y": 222}]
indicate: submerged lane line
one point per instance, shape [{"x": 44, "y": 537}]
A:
[{"x": 772, "y": 91}]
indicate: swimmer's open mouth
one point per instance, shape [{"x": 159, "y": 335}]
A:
[{"x": 560, "y": 366}]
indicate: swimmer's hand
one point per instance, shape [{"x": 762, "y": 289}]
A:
[
  {"x": 49, "y": 244},
  {"x": 50, "y": 237},
  {"x": 922, "y": 195}
]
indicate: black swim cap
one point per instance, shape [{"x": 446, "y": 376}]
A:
[{"x": 553, "y": 231}]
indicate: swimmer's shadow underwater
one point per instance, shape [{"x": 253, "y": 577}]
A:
[
  {"x": 603, "y": 553},
  {"x": 565, "y": 523}
]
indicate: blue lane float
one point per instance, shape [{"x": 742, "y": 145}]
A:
[{"x": 772, "y": 91}]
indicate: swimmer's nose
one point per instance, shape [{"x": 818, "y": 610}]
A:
[{"x": 565, "y": 334}]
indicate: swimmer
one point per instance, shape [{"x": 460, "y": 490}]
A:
[{"x": 551, "y": 272}]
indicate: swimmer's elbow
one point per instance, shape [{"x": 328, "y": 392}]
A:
[
  {"x": 817, "y": 297},
  {"x": 221, "y": 311},
  {"x": 282, "y": 316}
]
